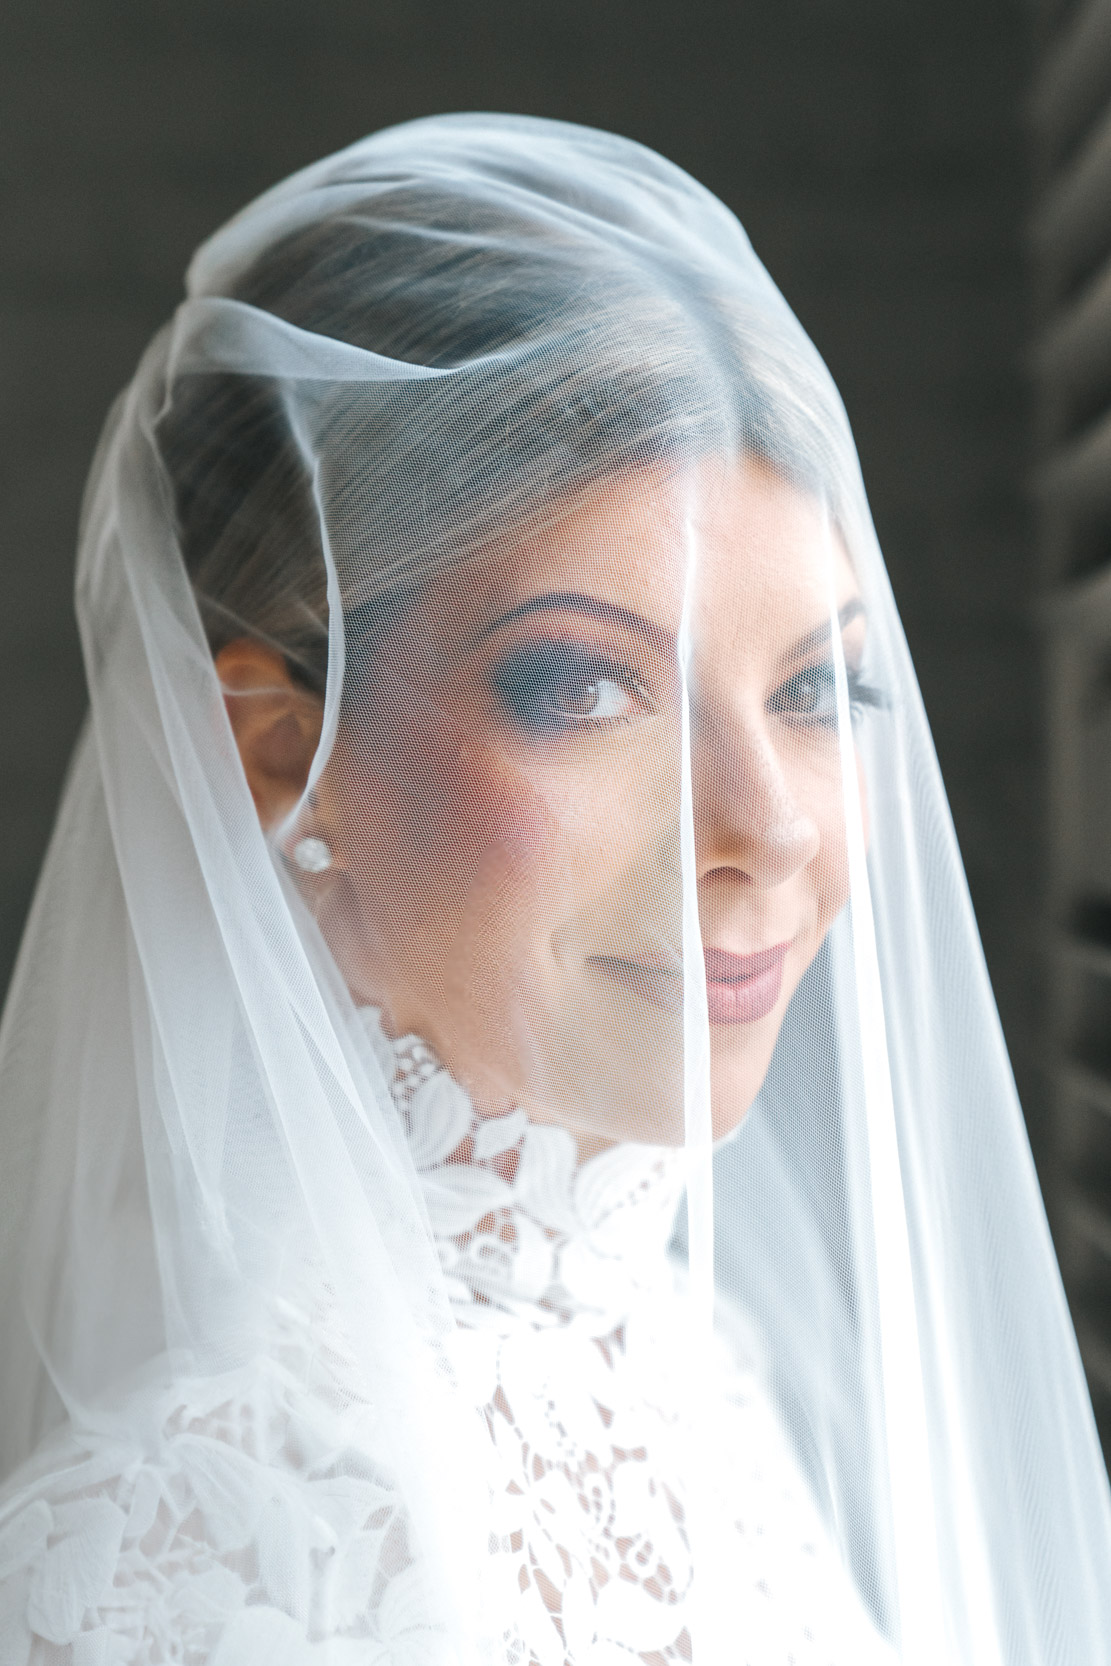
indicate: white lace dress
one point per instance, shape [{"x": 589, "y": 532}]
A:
[{"x": 170, "y": 1546}]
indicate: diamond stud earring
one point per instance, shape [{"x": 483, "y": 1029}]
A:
[{"x": 312, "y": 855}]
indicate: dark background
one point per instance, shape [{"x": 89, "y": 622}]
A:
[{"x": 873, "y": 148}]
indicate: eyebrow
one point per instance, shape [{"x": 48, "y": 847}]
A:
[
  {"x": 819, "y": 636},
  {"x": 591, "y": 607},
  {"x": 610, "y": 613}
]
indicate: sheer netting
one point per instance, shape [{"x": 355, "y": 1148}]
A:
[{"x": 507, "y": 1154}]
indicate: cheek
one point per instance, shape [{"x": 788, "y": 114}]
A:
[
  {"x": 502, "y": 838},
  {"x": 452, "y": 836},
  {"x": 532, "y": 840},
  {"x": 821, "y": 885},
  {"x": 831, "y": 866},
  {"x": 448, "y": 829}
]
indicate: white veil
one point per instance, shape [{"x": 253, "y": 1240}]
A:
[{"x": 233, "y": 1404}]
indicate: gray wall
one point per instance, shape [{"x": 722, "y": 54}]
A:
[{"x": 873, "y": 148}]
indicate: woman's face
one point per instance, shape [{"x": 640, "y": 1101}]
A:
[{"x": 504, "y": 809}]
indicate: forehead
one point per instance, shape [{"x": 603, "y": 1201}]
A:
[{"x": 745, "y": 545}]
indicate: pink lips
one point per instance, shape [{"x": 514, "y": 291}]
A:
[{"x": 740, "y": 988}]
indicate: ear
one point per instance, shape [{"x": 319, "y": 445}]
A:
[{"x": 276, "y": 724}]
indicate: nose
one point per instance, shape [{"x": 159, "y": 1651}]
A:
[{"x": 747, "y": 817}]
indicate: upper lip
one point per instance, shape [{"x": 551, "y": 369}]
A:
[{"x": 722, "y": 965}]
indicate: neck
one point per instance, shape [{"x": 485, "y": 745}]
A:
[
  {"x": 491, "y": 1098},
  {"x": 530, "y": 1228}
]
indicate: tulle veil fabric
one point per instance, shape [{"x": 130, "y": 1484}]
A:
[{"x": 210, "y": 1217}]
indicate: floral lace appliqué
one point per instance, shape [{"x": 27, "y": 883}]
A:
[{"x": 255, "y": 1519}]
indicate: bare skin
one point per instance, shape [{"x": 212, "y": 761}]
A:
[{"x": 503, "y": 798}]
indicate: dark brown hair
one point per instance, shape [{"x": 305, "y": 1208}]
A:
[{"x": 575, "y": 359}]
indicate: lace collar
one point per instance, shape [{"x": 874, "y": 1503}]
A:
[{"x": 525, "y": 1232}]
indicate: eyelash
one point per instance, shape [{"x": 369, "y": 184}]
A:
[
  {"x": 532, "y": 676},
  {"x": 536, "y": 673},
  {"x": 861, "y": 694}
]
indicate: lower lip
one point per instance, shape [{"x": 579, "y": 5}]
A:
[
  {"x": 745, "y": 1000},
  {"x": 728, "y": 1001}
]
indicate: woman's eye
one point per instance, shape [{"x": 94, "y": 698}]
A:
[
  {"x": 601, "y": 697},
  {"x": 811, "y": 693},
  {"x": 550, "y": 686}
]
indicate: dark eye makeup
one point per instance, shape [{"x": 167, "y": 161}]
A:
[
  {"x": 551, "y": 687},
  {"x": 810, "y": 696}
]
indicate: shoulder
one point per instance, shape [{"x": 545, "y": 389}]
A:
[{"x": 225, "y": 1530}]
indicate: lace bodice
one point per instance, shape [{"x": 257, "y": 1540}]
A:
[
  {"x": 569, "y": 1345},
  {"x": 525, "y": 1233},
  {"x": 570, "y": 1321}
]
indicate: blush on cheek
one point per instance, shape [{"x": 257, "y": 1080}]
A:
[
  {"x": 482, "y": 825},
  {"x": 512, "y": 834}
]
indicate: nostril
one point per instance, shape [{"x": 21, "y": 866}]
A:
[{"x": 725, "y": 874}]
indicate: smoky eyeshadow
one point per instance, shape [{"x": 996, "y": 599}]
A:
[{"x": 548, "y": 686}]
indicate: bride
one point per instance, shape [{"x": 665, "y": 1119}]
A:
[{"x": 506, "y": 1152}]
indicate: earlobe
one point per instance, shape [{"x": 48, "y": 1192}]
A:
[{"x": 276, "y": 724}]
